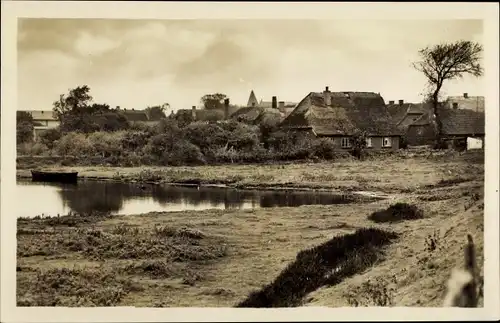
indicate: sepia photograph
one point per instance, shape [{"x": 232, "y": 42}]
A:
[{"x": 249, "y": 163}]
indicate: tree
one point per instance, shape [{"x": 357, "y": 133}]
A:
[
  {"x": 157, "y": 112},
  {"x": 444, "y": 62},
  {"x": 358, "y": 141},
  {"x": 24, "y": 127},
  {"x": 213, "y": 101},
  {"x": 76, "y": 100}
]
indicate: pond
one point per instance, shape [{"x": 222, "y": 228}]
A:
[{"x": 130, "y": 198}]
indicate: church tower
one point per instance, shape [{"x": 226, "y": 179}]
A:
[{"x": 252, "y": 100}]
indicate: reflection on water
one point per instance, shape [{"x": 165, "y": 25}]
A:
[{"x": 127, "y": 198}]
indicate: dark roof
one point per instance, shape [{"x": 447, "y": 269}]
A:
[
  {"x": 456, "y": 121},
  {"x": 203, "y": 114},
  {"x": 405, "y": 114},
  {"x": 257, "y": 114},
  {"x": 247, "y": 113},
  {"x": 423, "y": 120},
  {"x": 348, "y": 112},
  {"x": 462, "y": 122},
  {"x": 135, "y": 115}
]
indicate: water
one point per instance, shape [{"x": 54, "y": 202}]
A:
[{"x": 128, "y": 198}]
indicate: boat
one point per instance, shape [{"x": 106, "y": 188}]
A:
[{"x": 61, "y": 177}]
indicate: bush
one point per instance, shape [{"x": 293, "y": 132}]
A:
[
  {"x": 74, "y": 144},
  {"x": 206, "y": 136},
  {"x": 136, "y": 139},
  {"x": 24, "y": 132},
  {"x": 183, "y": 153},
  {"x": 49, "y": 137},
  {"x": 32, "y": 149},
  {"x": 107, "y": 144},
  {"x": 396, "y": 213},
  {"x": 324, "y": 148}
]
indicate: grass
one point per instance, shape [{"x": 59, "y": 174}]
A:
[
  {"x": 220, "y": 258},
  {"x": 329, "y": 262},
  {"x": 370, "y": 175}
]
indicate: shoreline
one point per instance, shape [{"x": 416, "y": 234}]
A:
[
  {"x": 219, "y": 257},
  {"x": 312, "y": 189}
]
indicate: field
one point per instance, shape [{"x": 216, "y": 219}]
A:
[{"x": 253, "y": 258}]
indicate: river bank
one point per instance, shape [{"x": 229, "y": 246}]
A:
[
  {"x": 368, "y": 176},
  {"x": 218, "y": 257}
]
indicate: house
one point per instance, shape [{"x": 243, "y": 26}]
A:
[
  {"x": 205, "y": 115},
  {"x": 135, "y": 116},
  {"x": 474, "y": 103},
  {"x": 257, "y": 112},
  {"x": 403, "y": 113},
  {"x": 458, "y": 126},
  {"x": 42, "y": 120},
  {"x": 339, "y": 115},
  {"x": 285, "y": 107}
]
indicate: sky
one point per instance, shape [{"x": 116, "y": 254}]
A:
[{"x": 141, "y": 63}]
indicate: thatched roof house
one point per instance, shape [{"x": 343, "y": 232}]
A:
[
  {"x": 458, "y": 124},
  {"x": 342, "y": 114},
  {"x": 135, "y": 115},
  {"x": 403, "y": 113},
  {"x": 257, "y": 115}
]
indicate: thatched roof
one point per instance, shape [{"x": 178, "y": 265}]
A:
[
  {"x": 203, "y": 114},
  {"x": 347, "y": 113},
  {"x": 456, "y": 122},
  {"x": 135, "y": 115},
  {"x": 405, "y": 114},
  {"x": 256, "y": 114}
]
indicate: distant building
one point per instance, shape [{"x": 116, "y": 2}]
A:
[
  {"x": 405, "y": 113},
  {"x": 474, "y": 103},
  {"x": 42, "y": 120},
  {"x": 135, "y": 116},
  {"x": 339, "y": 115},
  {"x": 206, "y": 115},
  {"x": 459, "y": 125},
  {"x": 256, "y": 111}
]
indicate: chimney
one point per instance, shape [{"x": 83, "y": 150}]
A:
[
  {"x": 226, "y": 109},
  {"x": 327, "y": 96},
  {"x": 391, "y": 102},
  {"x": 275, "y": 103},
  {"x": 193, "y": 112},
  {"x": 401, "y": 102},
  {"x": 281, "y": 104},
  {"x": 455, "y": 105},
  {"x": 466, "y": 95}
]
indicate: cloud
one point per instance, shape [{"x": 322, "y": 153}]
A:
[{"x": 139, "y": 62}]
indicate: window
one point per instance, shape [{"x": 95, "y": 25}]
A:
[
  {"x": 386, "y": 142},
  {"x": 369, "y": 142},
  {"x": 345, "y": 142}
]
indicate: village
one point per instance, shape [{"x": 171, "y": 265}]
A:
[
  {"x": 333, "y": 115},
  {"x": 284, "y": 189}
]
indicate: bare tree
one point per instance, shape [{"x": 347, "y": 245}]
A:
[{"x": 448, "y": 61}]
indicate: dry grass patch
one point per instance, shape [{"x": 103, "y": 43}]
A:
[
  {"x": 326, "y": 264},
  {"x": 73, "y": 287}
]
